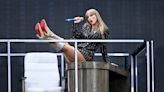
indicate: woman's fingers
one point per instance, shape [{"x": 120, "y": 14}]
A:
[
  {"x": 78, "y": 19},
  {"x": 116, "y": 65}
]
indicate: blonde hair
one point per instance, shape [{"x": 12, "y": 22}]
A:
[{"x": 102, "y": 27}]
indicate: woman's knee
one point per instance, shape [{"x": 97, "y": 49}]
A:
[{"x": 68, "y": 47}]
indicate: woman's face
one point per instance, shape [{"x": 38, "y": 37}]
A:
[{"x": 92, "y": 19}]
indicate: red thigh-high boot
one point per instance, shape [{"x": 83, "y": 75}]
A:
[{"x": 45, "y": 33}]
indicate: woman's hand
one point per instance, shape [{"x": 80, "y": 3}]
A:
[{"x": 78, "y": 19}]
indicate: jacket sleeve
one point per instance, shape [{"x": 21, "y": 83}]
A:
[{"x": 78, "y": 33}]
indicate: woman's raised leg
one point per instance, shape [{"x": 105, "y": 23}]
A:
[
  {"x": 69, "y": 52},
  {"x": 67, "y": 49}
]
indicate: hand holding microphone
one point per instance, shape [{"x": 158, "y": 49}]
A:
[
  {"x": 75, "y": 19},
  {"x": 78, "y": 19}
]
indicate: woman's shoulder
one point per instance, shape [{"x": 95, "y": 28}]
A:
[{"x": 86, "y": 28}]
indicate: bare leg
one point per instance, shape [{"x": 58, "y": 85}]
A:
[{"x": 69, "y": 52}]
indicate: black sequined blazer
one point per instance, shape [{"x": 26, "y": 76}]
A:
[{"x": 87, "y": 48}]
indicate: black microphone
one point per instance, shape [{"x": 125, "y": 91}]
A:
[{"x": 73, "y": 19}]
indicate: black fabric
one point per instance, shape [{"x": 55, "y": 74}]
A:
[{"x": 87, "y": 48}]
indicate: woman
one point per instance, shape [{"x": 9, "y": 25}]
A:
[{"x": 94, "y": 28}]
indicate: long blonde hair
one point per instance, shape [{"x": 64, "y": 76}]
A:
[{"x": 102, "y": 27}]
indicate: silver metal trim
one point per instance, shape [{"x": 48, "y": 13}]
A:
[
  {"x": 22, "y": 54},
  {"x": 96, "y": 54},
  {"x": 9, "y": 66},
  {"x": 9, "y": 54},
  {"x": 76, "y": 68},
  {"x": 136, "y": 74},
  {"x": 152, "y": 61},
  {"x": 62, "y": 72},
  {"x": 132, "y": 73},
  {"x": 91, "y": 40},
  {"x": 148, "y": 65},
  {"x": 114, "y": 54}
]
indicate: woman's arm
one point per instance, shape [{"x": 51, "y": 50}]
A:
[{"x": 78, "y": 33}]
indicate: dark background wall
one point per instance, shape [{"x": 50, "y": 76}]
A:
[{"x": 127, "y": 19}]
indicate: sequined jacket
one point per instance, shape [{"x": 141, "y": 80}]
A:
[{"x": 87, "y": 48}]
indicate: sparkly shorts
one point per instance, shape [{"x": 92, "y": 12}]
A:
[{"x": 88, "y": 54}]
